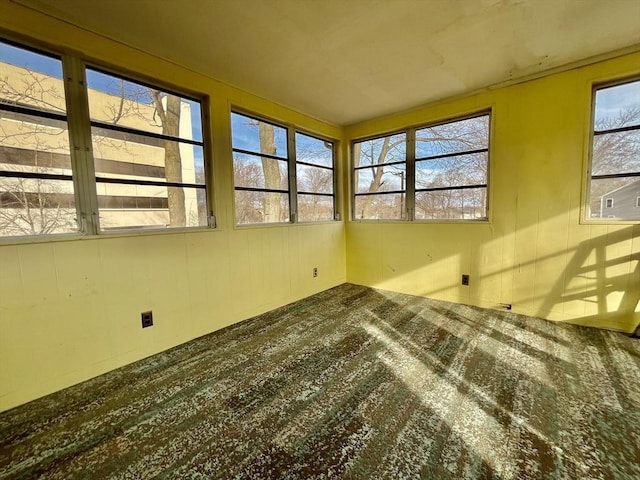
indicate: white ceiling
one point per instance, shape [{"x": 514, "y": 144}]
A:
[{"x": 344, "y": 61}]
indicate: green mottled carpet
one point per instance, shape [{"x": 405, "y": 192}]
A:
[{"x": 350, "y": 383}]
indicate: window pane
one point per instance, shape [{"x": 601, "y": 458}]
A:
[
  {"x": 452, "y": 171},
  {"x": 314, "y": 180},
  {"x": 615, "y": 198},
  {"x": 618, "y": 106},
  {"x": 257, "y": 136},
  {"x": 142, "y": 157},
  {"x": 31, "y": 79},
  {"x": 143, "y": 206},
  {"x": 464, "y": 204},
  {"x": 453, "y": 137},
  {"x": 313, "y": 208},
  {"x": 29, "y": 143},
  {"x": 260, "y": 172},
  {"x": 118, "y": 155},
  {"x": 616, "y": 152},
  {"x": 380, "y": 150},
  {"x": 125, "y": 103},
  {"x": 382, "y": 178},
  {"x": 34, "y": 206},
  {"x": 34, "y": 144},
  {"x": 261, "y": 207},
  {"x": 313, "y": 150},
  {"x": 379, "y": 207}
]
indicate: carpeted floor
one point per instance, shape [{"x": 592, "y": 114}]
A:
[{"x": 350, "y": 383}]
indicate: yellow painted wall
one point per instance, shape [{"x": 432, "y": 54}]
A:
[
  {"x": 534, "y": 252},
  {"x": 70, "y": 310}
]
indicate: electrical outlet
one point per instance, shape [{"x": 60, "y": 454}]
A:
[
  {"x": 315, "y": 272},
  {"x": 147, "y": 319},
  {"x": 465, "y": 279}
]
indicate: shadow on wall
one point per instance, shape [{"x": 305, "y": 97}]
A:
[{"x": 604, "y": 278}]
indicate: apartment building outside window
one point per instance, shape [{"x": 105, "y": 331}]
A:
[
  {"x": 37, "y": 193},
  {"x": 148, "y": 154},
  {"x": 135, "y": 160}
]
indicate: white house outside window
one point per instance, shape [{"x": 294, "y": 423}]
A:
[{"x": 614, "y": 180}]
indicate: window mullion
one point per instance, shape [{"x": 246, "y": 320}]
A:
[
  {"x": 334, "y": 173},
  {"x": 352, "y": 180},
  {"x": 206, "y": 122},
  {"x": 410, "y": 186},
  {"x": 293, "y": 175},
  {"x": 80, "y": 138}
]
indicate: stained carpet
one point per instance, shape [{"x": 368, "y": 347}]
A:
[{"x": 350, "y": 383}]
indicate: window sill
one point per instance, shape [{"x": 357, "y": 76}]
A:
[
  {"x": 250, "y": 226},
  {"x": 483, "y": 221},
  {"x": 609, "y": 222},
  {"x": 63, "y": 237}
]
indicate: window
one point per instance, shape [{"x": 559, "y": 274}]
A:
[
  {"x": 260, "y": 170},
  {"x": 315, "y": 181},
  {"x": 438, "y": 172},
  {"x": 280, "y": 175},
  {"x": 451, "y": 170},
  {"x": 638, "y": 202},
  {"x": 615, "y": 153},
  {"x": 148, "y": 155},
  {"x": 37, "y": 194},
  {"x": 146, "y": 167},
  {"x": 380, "y": 177}
]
